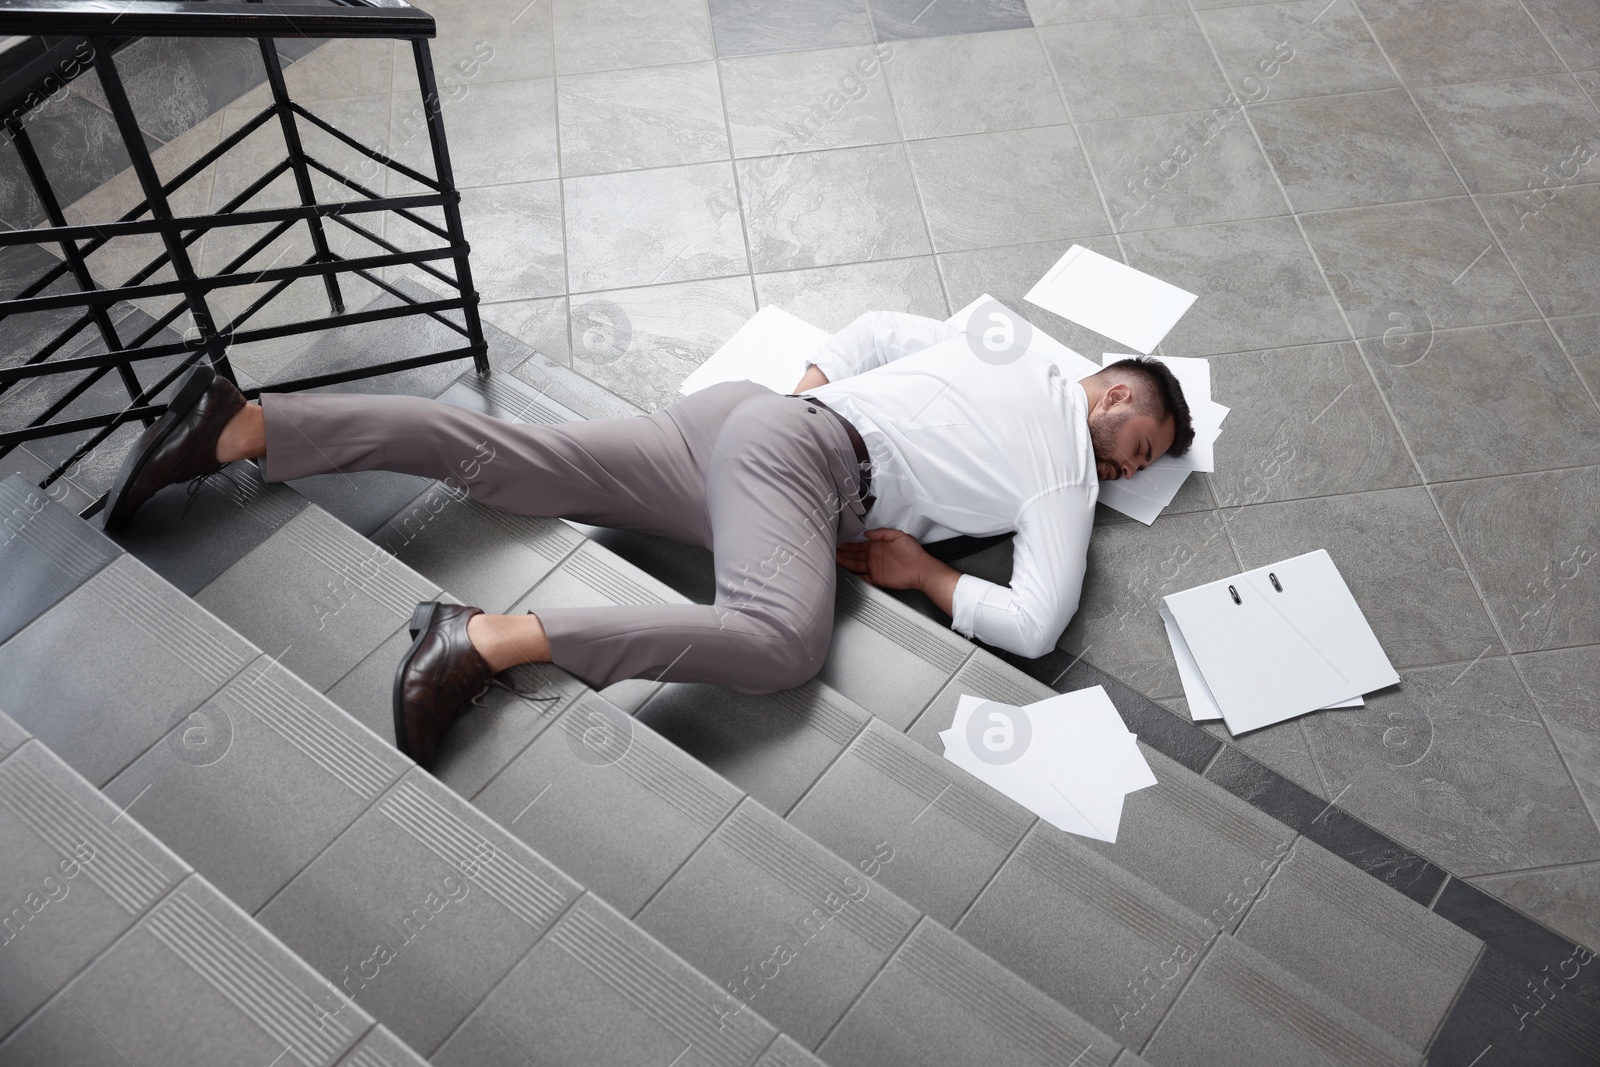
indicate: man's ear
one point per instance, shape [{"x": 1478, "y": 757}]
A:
[{"x": 1117, "y": 395}]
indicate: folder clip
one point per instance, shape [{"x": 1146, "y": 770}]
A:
[
  {"x": 1235, "y": 594},
  {"x": 1274, "y": 579}
]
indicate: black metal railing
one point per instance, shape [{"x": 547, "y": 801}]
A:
[{"x": 74, "y": 38}]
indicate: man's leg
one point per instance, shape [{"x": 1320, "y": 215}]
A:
[{"x": 779, "y": 491}]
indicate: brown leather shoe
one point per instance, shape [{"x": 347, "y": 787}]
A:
[
  {"x": 439, "y": 674},
  {"x": 179, "y": 446}
]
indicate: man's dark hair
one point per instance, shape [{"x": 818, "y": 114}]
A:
[{"x": 1162, "y": 396}]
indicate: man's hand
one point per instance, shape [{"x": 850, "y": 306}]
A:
[
  {"x": 814, "y": 377},
  {"x": 892, "y": 559}
]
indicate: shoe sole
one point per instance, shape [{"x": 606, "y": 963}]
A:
[
  {"x": 421, "y": 619},
  {"x": 186, "y": 398}
]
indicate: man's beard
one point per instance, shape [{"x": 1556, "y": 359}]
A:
[{"x": 1103, "y": 434}]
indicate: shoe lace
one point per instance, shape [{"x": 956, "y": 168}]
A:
[{"x": 525, "y": 694}]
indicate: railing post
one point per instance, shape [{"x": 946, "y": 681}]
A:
[
  {"x": 432, "y": 109},
  {"x": 297, "y": 161},
  {"x": 160, "y": 210}
]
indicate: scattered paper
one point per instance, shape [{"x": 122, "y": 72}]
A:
[
  {"x": 773, "y": 349},
  {"x": 1278, "y": 641},
  {"x": 1111, "y": 298},
  {"x": 1068, "y": 758},
  {"x": 1147, "y": 494},
  {"x": 1073, "y": 366}
]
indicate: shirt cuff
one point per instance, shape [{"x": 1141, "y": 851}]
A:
[
  {"x": 835, "y": 366},
  {"x": 964, "y": 603}
]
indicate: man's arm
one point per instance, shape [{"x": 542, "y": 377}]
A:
[
  {"x": 1027, "y": 617},
  {"x": 873, "y": 339}
]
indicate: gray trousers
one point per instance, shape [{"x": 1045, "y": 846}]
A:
[{"x": 767, "y": 482}]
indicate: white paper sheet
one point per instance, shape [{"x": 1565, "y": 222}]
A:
[
  {"x": 772, "y": 349},
  {"x": 1111, "y": 298},
  {"x": 1079, "y": 762},
  {"x": 1073, "y": 365},
  {"x": 1280, "y": 651},
  {"x": 1146, "y": 494}
]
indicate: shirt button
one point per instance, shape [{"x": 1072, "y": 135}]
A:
[{"x": 811, "y": 409}]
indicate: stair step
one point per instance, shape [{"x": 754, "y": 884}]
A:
[
  {"x": 257, "y": 780},
  {"x": 124, "y": 954},
  {"x": 1240, "y": 1007},
  {"x": 618, "y": 806},
  {"x": 595, "y": 989},
  {"x": 317, "y": 596},
  {"x": 44, "y": 554},
  {"x": 373, "y": 871},
  {"x": 962, "y": 1007}
]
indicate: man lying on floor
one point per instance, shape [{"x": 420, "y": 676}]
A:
[{"x": 898, "y": 434}]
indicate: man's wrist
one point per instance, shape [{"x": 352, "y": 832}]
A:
[{"x": 937, "y": 581}]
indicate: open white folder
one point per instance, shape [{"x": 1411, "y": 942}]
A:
[
  {"x": 1279, "y": 641},
  {"x": 1202, "y": 705},
  {"x": 1111, "y": 298},
  {"x": 773, "y": 349}
]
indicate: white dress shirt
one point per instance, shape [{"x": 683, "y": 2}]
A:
[{"x": 964, "y": 446}]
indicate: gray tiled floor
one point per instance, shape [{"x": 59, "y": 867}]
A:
[{"x": 1415, "y": 175}]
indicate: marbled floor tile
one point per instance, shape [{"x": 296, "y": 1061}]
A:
[
  {"x": 1352, "y": 149},
  {"x": 647, "y": 117},
  {"x": 646, "y": 227},
  {"x": 175, "y": 83},
  {"x": 480, "y": 43},
  {"x": 642, "y": 343},
  {"x": 1045, "y": 12},
  {"x": 1306, "y": 421},
  {"x": 1395, "y": 556},
  {"x": 1489, "y": 400},
  {"x": 1181, "y": 170},
  {"x": 1257, "y": 283},
  {"x": 607, "y": 34},
  {"x": 1282, "y": 51},
  {"x": 813, "y": 209},
  {"x": 1006, "y": 188},
  {"x": 1401, "y": 271},
  {"x": 1531, "y": 544},
  {"x": 1459, "y": 40},
  {"x": 340, "y": 68},
  {"x": 1566, "y": 899},
  {"x": 1137, "y": 66},
  {"x": 974, "y": 83},
  {"x": 1528, "y": 133},
  {"x": 805, "y": 101},
  {"x": 515, "y": 231},
  {"x": 1580, "y": 336},
  {"x": 485, "y": 149},
  {"x": 1130, "y": 568},
  {"x": 1283, "y": 747},
  {"x": 1566, "y": 685},
  {"x": 831, "y": 297},
  {"x": 893, "y": 19},
  {"x": 1573, "y": 28},
  {"x": 540, "y": 324},
  {"x": 750, "y": 27},
  {"x": 1007, "y": 273},
  {"x": 1550, "y": 238},
  {"x": 1455, "y": 763}
]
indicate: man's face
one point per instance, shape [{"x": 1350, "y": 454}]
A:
[{"x": 1126, "y": 441}]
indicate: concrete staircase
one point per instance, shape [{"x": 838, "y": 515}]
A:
[{"x": 713, "y": 868}]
